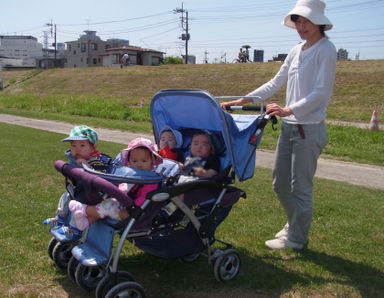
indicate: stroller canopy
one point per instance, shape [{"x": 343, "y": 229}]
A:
[{"x": 196, "y": 109}]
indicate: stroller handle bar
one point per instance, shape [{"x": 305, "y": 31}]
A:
[
  {"x": 250, "y": 107},
  {"x": 255, "y": 99},
  {"x": 245, "y": 108},
  {"x": 93, "y": 182}
]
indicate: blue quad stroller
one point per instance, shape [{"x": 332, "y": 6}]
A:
[{"x": 187, "y": 233}]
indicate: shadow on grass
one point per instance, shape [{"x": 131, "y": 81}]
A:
[
  {"x": 335, "y": 270},
  {"x": 368, "y": 280},
  {"x": 71, "y": 289},
  {"x": 263, "y": 276}
]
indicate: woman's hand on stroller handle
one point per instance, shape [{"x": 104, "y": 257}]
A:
[
  {"x": 274, "y": 109},
  {"x": 238, "y": 102}
]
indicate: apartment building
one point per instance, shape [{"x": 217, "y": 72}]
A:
[
  {"x": 23, "y": 48},
  {"x": 86, "y": 51}
]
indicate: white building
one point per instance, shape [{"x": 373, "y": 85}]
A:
[
  {"x": 137, "y": 56},
  {"x": 21, "y": 47}
]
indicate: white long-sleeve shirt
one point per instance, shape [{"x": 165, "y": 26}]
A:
[{"x": 309, "y": 75}]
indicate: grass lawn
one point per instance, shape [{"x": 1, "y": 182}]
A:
[{"x": 345, "y": 256}]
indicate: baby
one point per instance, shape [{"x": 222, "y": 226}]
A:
[
  {"x": 141, "y": 155},
  {"x": 83, "y": 150},
  {"x": 202, "y": 162},
  {"x": 170, "y": 143}
]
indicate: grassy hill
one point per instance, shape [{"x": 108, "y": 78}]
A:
[
  {"x": 358, "y": 89},
  {"x": 345, "y": 256}
]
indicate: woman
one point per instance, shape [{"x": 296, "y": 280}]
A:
[{"x": 309, "y": 72}]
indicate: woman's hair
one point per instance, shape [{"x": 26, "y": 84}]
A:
[{"x": 295, "y": 17}]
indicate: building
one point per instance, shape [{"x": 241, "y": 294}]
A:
[
  {"x": 137, "y": 56},
  {"x": 10, "y": 63},
  {"x": 279, "y": 57},
  {"x": 52, "y": 58},
  {"x": 342, "y": 54},
  {"x": 117, "y": 42},
  {"x": 90, "y": 50},
  {"x": 21, "y": 48},
  {"x": 191, "y": 59},
  {"x": 86, "y": 51},
  {"x": 258, "y": 56}
]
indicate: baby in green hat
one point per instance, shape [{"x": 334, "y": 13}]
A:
[{"x": 83, "y": 150}]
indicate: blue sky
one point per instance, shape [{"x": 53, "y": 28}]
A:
[{"x": 219, "y": 28}]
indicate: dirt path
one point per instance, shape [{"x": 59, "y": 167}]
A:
[{"x": 354, "y": 173}]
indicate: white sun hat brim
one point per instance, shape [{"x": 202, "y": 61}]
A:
[{"x": 312, "y": 10}]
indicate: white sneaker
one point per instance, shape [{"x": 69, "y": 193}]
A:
[
  {"x": 283, "y": 232},
  {"x": 283, "y": 243}
]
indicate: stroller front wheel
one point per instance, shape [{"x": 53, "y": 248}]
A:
[
  {"x": 110, "y": 280},
  {"x": 62, "y": 253},
  {"x": 88, "y": 277},
  {"x": 126, "y": 289},
  {"x": 227, "y": 266},
  {"x": 71, "y": 268},
  {"x": 51, "y": 245}
]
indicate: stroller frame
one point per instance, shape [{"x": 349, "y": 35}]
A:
[{"x": 234, "y": 129}]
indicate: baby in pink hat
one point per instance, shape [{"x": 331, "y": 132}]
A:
[{"x": 140, "y": 154}]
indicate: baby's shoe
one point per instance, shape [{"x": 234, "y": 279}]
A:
[
  {"x": 54, "y": 221},
  {"x": 70, "y": 232}
]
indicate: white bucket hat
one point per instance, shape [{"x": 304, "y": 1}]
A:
[{"x": 312, "y": 10}]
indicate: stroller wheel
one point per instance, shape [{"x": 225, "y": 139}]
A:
[
  {"x": 71, "y": 268},
  {"x": 62, "y": 253},
  {"x": 189, "y": 258},
  {"x": 51, "y": 246},
  {"x": 88, "y": 277},
  {"x": 110, "y": 280},
  {"x": 126, "y": 289},
  {"x": 227, "y": 265}
]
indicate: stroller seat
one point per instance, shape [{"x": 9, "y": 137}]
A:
[{"x": 96, "y": 250}]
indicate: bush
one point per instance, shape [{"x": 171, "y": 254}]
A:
[{"x": 173, "y": 60}]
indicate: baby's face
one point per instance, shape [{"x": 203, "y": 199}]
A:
[
  {"x": 81, "y": 149},
  {"x": 141, "y": 158},
  {"x": 200, "y": 146},
  {"x": 167, "y": 138}
]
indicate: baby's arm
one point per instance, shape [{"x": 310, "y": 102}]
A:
[
  {"x": 79, "y": 161},
  {"x": 200, "y": 172}
]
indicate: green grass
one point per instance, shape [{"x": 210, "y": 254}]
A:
[
  {"x": 345, "y": 143},
  {"x": 358, "y": 84},
  {"x": 345, "y": 256},
  {"x": 110, "y": 97}
]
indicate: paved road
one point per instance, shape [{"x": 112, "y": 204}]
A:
[{"x": 354, "y": 173}]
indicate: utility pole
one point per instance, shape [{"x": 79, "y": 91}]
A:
[
  {"x": 46, "y": 54},
  {"x": 223, "y": 56},
  {"x": 184, "y": 36},
  {"x": 55, "y": 43},
  {"x": 205, "y": 57}
]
